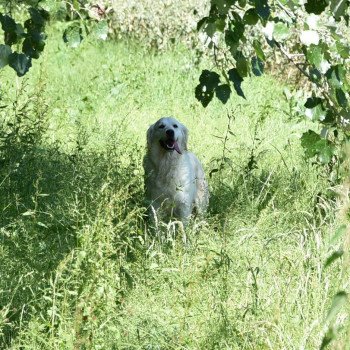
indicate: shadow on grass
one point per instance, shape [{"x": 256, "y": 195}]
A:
[
  {"x": 46, "y": 197},
  {"x": 249, "y": 194}
]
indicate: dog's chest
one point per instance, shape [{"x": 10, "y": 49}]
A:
[{"x": 171, "y": 179}]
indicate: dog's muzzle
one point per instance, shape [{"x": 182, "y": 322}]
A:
[{"x": 170, "y": 145}]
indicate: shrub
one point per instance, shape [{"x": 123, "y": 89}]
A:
[{"x": 155, "y": 23}]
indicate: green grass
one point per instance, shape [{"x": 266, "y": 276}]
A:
[{"x": 79, "y": 268}]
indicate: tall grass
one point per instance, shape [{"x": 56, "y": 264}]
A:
[{"x": 79, "y": 267}]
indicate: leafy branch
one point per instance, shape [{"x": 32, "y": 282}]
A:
[
  {"x": 28, "y": 38},
  {"x": 246, "y": 30}
]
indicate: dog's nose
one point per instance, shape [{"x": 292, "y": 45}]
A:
[{"x": 170, "y": 133}]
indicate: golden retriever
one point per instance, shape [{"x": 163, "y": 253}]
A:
[{"x": 175, "y": 185}]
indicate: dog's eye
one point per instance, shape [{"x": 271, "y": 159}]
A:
[
  {"x": 175, "y": 126},
  {"x": 161, "y": 126}
]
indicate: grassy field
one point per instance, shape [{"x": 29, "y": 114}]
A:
[{"x": 79, "y": 268}]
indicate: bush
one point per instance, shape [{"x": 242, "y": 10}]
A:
[{"x": 155, "y": 23}]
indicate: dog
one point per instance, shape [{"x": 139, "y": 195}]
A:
[{"x": 175, "y": 184}]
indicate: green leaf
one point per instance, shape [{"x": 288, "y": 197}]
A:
[
  {"x": 325, "y": 151},
  {"x": 257, "y": 66},
  {"x": 341, "y": 97},
  {"x": 315, "y": 75},
  {"x": 231, "y": 40},
  {"x": 242, "y": 66},
  {"x": 203, "y": 95},
  {"x": 312, "y": 102},
  {"x": 237, "y": 80},
  {"x": 314, "y": 109},
  {"x": 28, "y": 49},
  {"x": 308, "y": 141},
  {"x": 251, "y": 17},
  {"x": 316, "y": 6},
  {"x": 338, "y": 8},
  {"x": 223, "y": 93},
  {"x": 262, "y": 8},
  {"x": 314, "y": 145},
  {"x": 202, "y": 22},
  {"x": 38, "y": 17},
  {"x": 13, "y": 31},
  {"x": 209, "y": 79},
  {"x": 210, "y": 28},
  {"x": 223, "y": 6},
  {"x": 315, "y": 56},
  {"x": 336, "y": 76},
  {"x": 7, "y": 23},
  {"x": 5, "y": 52},
  {"x": 343, "y": 49},
  {"x": 316, "y": 113},
  {"x": 33, "y": 44},
  {"x": 258, "y": 50},
  {"x": 20, "y": 63},
  {"x": 236, "y": 30},
  {"x": 101, "y": 30},
  {"x": 72, "y": 36},
  {"x": 281, "y": 32},
  {"x": 334, "y": 256}
]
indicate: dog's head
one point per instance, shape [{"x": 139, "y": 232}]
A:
[{"x": 169, "y": 134}]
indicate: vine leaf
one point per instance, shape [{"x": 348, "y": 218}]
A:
[
  {"x": 242, "y": 66},
  {"x": 20, "y": 63},
  {"x": 5, "y": 52},
  {"x": 251, "y": 17},
  {"x": 343, "y": 49},
  {"x": 101, "y": 30},
  {"x": 236, "y": 79},
  {"x": 223, "y": 92},
  {"x": 308, "y": 140},
  {"x": 258, "y": 50},
  {"x": 262, "y": 9},
  {"x": 341, "y": 97},
  {"x": 257, "y": 66},
  {"x": 336, "y": 76},
  {"x": 281, "y": 32},
  {"x": 203, "y": 96},
  {"x": 315, "y": 55},
  {"x": 208, "y": 82},
  {"x": 316, "y": 6},
  {"x": 314, "y": 145},
  {"x": 72, "y": 35},
  {"x": 209, "y": 79},
  {"x": 7, "y": 23},
  {"x": 223, "y": 6},
  {"x": 314, "y": 109},
  {"x": 338, "y": 8}
]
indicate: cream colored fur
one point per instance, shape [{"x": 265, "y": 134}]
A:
[{"x": 175, "y": 184}]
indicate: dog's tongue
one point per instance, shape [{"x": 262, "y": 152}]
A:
[{"x": 177, "y": 149}]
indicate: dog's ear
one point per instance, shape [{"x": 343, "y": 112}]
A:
[
  {"x": 150, "y": 135},
  {"x": 184, "y": 139}
]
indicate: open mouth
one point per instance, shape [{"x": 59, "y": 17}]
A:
[{"x": 170, "y": 145}]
